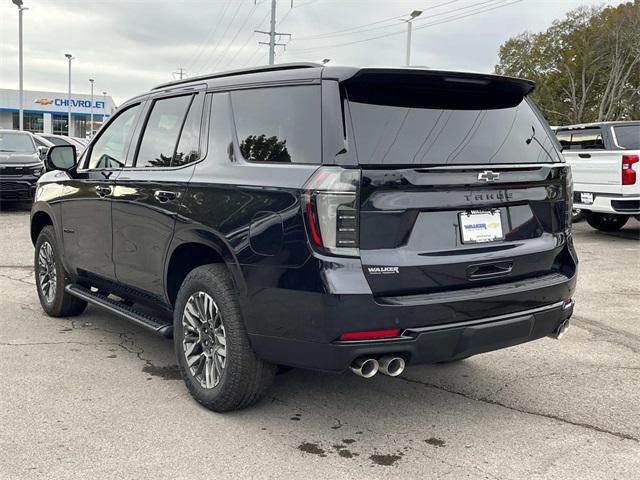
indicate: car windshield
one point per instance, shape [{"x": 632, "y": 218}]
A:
[
  {"x": 16, "y": 142},
  {"x": 628, "y": 136}
]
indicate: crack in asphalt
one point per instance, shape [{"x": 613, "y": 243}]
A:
[
  {"x": 620, "y": 435},
  {"x": 606, "y": 333},
  {"x": 20, "y": 280},
  {"x": 69, "y": 342}
]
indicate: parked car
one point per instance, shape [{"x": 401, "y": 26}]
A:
[
  {"x": 604, "y": 159},
  {"x": 20, "y": 165},
  {"x": 79, "y": 143},
  {"x": 329, "y": 218}
]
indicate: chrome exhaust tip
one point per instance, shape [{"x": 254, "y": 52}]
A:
[
  {"x": 561, "y": 330},
  {"x": 392, "y": 366},
  {"x": 365, "y": 367}
]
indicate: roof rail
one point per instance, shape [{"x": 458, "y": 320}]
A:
[{"x": 241, "y": 71}]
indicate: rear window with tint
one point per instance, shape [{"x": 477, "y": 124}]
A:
[
  {"x": 628, "y": 136},
  {"x": 387, "y": 134}
]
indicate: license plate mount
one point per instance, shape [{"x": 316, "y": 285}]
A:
[
  {"x": 481, "y": 226},
  {"x": 586, "y": 198}
]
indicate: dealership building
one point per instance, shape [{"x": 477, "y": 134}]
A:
[{"x": 47, "y": 112}]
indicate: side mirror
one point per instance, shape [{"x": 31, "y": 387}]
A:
[
  {"x": 61, "y": 157},
  {"x": 42, "y": 152}
]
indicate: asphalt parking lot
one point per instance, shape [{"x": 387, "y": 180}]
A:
[{"x": 95, "y": 397}]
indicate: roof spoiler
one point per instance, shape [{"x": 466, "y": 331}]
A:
[{"x": 424, "y": 88}]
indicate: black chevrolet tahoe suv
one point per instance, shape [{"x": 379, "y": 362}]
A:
[{"x": 318, "y": 217}]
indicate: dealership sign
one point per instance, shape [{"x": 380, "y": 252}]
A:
[
  {"x": 63, "y": 102},
  {"x": 55, "y": 102}
]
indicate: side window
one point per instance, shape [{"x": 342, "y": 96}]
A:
[
  {"x": 109, "y": 149},
  {"x": 220, "y": 130},
  {"x": 280, "y": 124},
  {"x": 587, "y": 139},
  {"x": 189, "y": 145},
  {"x": 628, "y": 136},
  {"x": 160, "y": 135}
]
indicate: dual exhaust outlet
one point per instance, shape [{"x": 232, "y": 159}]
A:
[{"x": 367, "y": 367}]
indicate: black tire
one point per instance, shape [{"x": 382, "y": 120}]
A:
[
  {"x": 56, "y": 302},
  {"x": 245, "y": 378},
  {"x": 577, "y": 215},
  {"x": 606, "y": 222}
]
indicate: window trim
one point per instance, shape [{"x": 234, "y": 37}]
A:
[{"x": 86, "y": 155}]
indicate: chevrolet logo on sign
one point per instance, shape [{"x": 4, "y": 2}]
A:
[{"x": 43, "y": 101}]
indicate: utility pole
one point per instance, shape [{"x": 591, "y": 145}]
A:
[
  {"x": 272, "y": 35},
  {"x": 18, "y": 3},
  {"x": 180, "y": 72}
]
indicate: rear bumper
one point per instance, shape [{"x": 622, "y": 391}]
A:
[
  {"x": 17, "y": 189},
  {"x": 433, "y": 344},
  {"x": 603, "y": 203}
]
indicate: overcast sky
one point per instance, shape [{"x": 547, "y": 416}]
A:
[{"x": 130, "y": 46}]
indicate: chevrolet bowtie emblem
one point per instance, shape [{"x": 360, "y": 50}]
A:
[{"x": 488, "y": 176}]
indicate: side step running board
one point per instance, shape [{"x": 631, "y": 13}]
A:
[{"x": 141, "y": 319}]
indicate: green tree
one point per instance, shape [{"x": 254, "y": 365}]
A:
[{"x": 586, "y": 66}]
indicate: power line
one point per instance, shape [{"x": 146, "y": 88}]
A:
[
  {"x": 224, "y": 53},
  {"x": 209, "y": 36},
  {"x": 235, "y": 14},
  {"x": 446, "y": 20},
  {"x": 251, "y": 35},
  {"x": 356, "y": 29}
]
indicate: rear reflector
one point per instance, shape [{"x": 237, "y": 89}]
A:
[
  {"x": 628, "y": 173},
  {"x": 370, "y": 334}
]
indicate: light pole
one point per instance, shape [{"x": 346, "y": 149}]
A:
[
  {"x": 91, "y": 122},
  {"x": 69, "y": 57},
  {"x": 104, "y": 107},
  {"x": 18, "y": 3},
  {"x": 412, "y": 16}
]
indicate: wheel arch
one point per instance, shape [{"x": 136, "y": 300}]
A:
[
  {"x": 193, "y": 249},
  {"x": 40, "y": 218}
]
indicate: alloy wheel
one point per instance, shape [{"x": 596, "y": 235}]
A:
[
  {"x": 204, "y": 341},
  {"x": 47, "y": 277}
]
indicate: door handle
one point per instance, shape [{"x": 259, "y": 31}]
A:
[
  {"x": 163, "y": 196},
  {"x": 584, "y": 155},
  {"x": 103, "y": 191}
]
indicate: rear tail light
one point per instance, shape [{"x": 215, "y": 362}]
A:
[
  {"x": 331, "y": 206},
  {"x": 628, "y": 173},
  {"x": 568, "y": 214}
]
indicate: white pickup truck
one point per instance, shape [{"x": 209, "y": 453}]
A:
[{"x": 605, "y": 163}]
